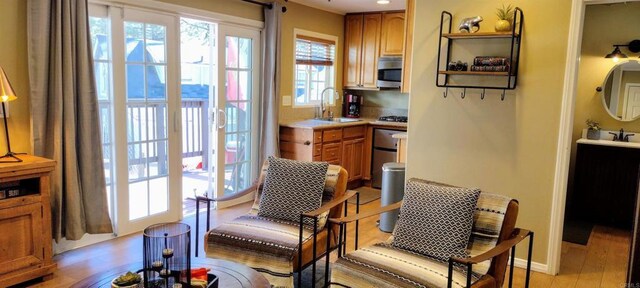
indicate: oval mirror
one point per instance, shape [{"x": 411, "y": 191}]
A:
[{"x": 621, "y": 91}]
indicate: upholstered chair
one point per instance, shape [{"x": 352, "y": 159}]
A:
[
  {"x": 390, "y": 264},
  {"x": 278, "y": 247}
]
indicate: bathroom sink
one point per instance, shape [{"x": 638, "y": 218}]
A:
[
  {"x": 612, "y": 143},
  {"x": 338, "y": 120}
]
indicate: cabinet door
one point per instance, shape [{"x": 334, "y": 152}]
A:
[
  {"x": 370, "y": 50},
  {"x": 352, "y": 158},
  {"x": 352, "y": 50},
  {"x": 21, "y": 237},
  {"x": 392, "y": 42}
]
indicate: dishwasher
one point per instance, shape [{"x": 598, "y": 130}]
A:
[{"x": 385, "y": 149}]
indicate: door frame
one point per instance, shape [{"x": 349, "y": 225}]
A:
[
  {"x": 563, "y": 152},
  {"x": 174, "y": 179}
]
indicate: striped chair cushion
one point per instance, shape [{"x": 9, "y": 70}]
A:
[{"x": 383, "y": 265}]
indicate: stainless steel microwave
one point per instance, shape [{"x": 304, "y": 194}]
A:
[{"x": 390, "y": 72}]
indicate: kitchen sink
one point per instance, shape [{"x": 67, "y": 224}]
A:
[{"x": 338, "y": 120}]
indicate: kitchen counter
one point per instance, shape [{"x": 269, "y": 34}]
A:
[{"x": 319, "y": 124}]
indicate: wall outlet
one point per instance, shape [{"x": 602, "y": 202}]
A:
[{"x": 286, "y": 100}]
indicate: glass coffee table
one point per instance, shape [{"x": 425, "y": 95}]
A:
[{"x": 230, "y": 274}]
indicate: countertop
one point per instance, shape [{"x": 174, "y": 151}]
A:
[
  {"x": 612, "y": 143},
  {"x": 401, "y": 135},
  {"x": 319, "y": 124}
]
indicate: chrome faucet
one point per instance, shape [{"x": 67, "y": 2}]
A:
[{"x": 322, "y": 108}]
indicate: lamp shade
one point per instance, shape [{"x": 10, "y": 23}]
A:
[
  {"x": 6, "y": 91},
  {"x": 616, "y": 54}
]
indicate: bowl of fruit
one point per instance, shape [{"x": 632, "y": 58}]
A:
[{"x": 127, "y": 280}]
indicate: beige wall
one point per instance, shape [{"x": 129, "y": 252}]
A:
[
  {"x": 310, "y": 19},
  {"x": 385, "y": 99},
  {"x": 501, "y": 147},
  {"x": 604, "y": 25},
  {"x": 13, "y": 58}
]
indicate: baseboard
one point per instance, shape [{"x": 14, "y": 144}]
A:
[{"x": 535, "y": 266}]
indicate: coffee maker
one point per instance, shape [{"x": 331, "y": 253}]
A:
[{"x": 351, "y": 106}]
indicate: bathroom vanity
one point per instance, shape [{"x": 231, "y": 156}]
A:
[{"x": 606, "y": 182}]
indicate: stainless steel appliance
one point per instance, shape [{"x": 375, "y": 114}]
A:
[
  {"x": 385, "y": 149},
  {"x": 390, "y": 72}
]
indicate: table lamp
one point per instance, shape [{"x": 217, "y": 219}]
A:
[{"x": 6, "y": 95}]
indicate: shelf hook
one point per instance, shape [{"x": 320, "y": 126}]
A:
[
  {"x": 503, "y": 93},
  {"x": 463, "y": 94},
  {"x": 482, "y": 94},
  {"x": 446, "y": 91}
]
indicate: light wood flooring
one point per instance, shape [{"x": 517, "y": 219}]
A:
[{"x": 601, "y": 263}]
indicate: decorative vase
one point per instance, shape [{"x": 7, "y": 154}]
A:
[
  {"x": 503, "y": 26},
  {"x": 593, "y": 134}
]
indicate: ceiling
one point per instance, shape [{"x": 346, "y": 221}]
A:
[{"x": 348, "y": 6}]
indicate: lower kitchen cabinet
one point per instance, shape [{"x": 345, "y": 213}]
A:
[
  {"x": 344, "y": 146},
  {"x": 352, "y": 158}
]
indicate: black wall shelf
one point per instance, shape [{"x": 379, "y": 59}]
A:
[{"x": 509, "y": 78}]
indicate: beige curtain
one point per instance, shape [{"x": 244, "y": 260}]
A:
[
  {"x": 270, "y": 92},
  {"x": 65, "y": 115}
]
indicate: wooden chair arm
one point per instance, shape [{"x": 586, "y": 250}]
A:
[
  {"x": 517, "y": 236},
  {"x": 227, "y": 197},
  {"x": 330, "y": 204},
  {"x": 367, "y": 214}
]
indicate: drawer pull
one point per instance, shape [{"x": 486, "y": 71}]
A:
[{"x": 307, "y": 142}]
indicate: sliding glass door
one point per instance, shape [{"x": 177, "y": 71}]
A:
[
  {"x": 240, "y": 96},
  {"x": 178, "y": 106}
]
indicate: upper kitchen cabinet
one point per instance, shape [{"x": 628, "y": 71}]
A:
[
  {"x": 392, "y": 41},
  {"x": 362, "y": 42}
]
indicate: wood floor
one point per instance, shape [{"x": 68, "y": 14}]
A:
[{"x": 601, "y": 263}]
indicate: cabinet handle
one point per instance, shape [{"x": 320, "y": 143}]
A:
[{"x": 307, "y": 142}]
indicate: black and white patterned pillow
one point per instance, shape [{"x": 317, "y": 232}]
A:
[
  {"x": 292, "y": 187},
  {"x": 436, "y": 220}
]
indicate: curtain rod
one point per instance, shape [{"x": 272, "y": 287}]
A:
[{"x": 266, "y": 5}]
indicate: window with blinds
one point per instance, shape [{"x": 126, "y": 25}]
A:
[
  {"x": 315, "y": 59},
  {"x": 315, "y": 51}
]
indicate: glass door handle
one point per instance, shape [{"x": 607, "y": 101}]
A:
[{"x": 222, "y": 113}]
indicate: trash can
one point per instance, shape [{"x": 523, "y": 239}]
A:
[{"x": 392, "y": 192}]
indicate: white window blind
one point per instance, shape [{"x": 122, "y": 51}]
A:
[{"x": 314, "y": 51}]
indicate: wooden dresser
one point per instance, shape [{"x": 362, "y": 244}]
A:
[{"x": 25, "y": 220}]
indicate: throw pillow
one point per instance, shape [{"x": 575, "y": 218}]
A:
[
  {"x": 435, "y": 220},
  {"x": 291, "y": 188}
]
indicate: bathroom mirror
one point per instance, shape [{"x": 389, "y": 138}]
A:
[{"x": 621, "y": 91}]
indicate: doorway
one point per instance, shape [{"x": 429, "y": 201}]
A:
[{"x": 598, "y": 237}]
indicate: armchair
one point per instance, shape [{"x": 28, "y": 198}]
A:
[
  {"x": 385, "y": 265},
  {"x": 275, "y": 247}
]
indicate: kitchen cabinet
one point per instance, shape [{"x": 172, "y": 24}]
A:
[
  {"x": 25, "y": 220},
  {"x": 392, "y": 38},
  {"x": 362, "y": 43},
  {"x": 342, "y": 146}
]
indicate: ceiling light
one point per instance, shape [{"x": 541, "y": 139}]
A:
[{"x": 383, "y": 2}]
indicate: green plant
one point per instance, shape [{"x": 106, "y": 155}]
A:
[
  {"x": 128, "y": 279},
  {"x": 593, "y": 125},
  {"x": 505, "y": 13}
]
